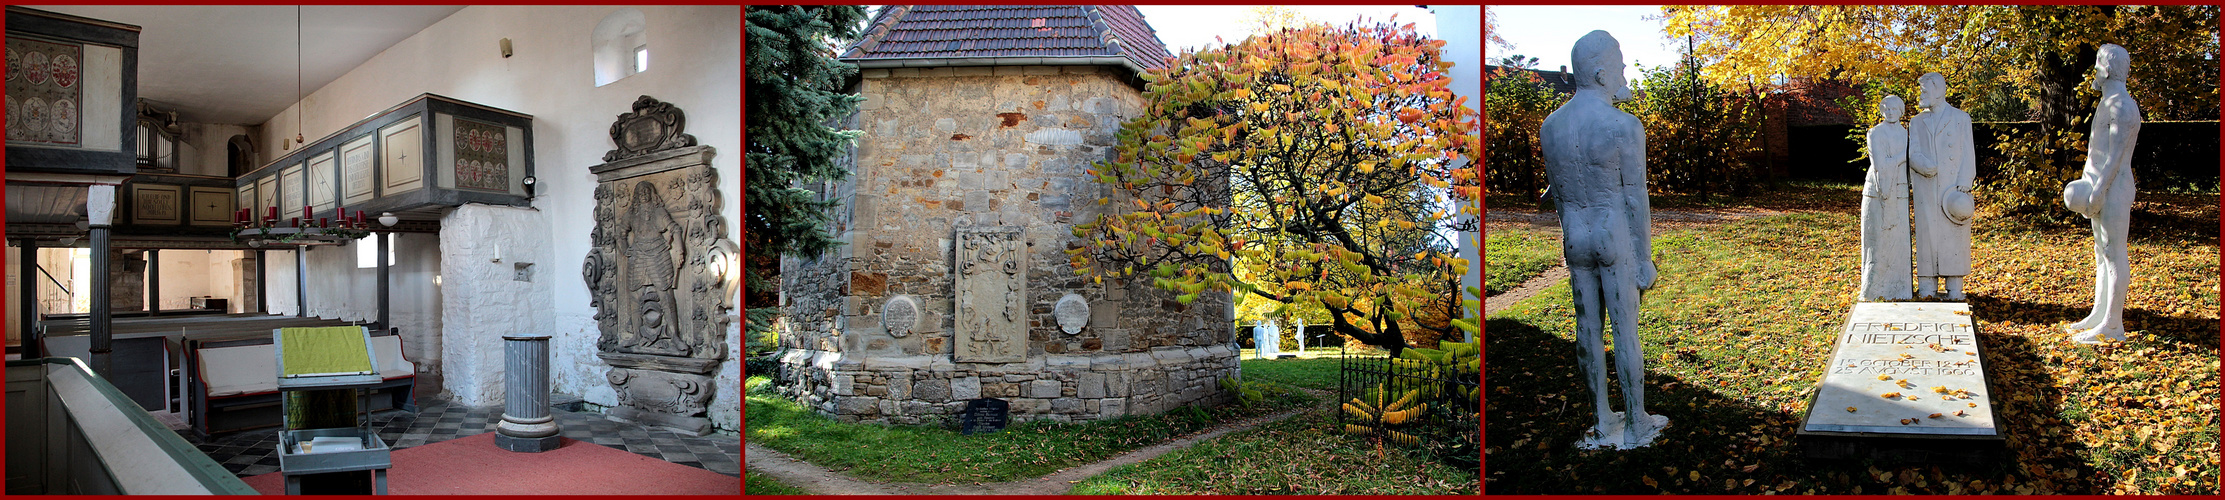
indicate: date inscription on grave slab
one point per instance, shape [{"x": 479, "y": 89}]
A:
[{"x": 1896, "y": 365}]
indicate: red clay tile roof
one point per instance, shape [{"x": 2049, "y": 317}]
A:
[{"x": 1009, "y": 31}]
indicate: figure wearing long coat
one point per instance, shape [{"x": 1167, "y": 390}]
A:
[{"x": 1944, "y": 158}]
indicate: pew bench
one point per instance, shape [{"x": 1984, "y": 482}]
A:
[{"x": 235, "y": 384}]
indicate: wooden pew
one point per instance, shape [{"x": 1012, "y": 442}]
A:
[{"x": 233, "y": 382}]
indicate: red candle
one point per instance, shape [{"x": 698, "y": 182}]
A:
[
  {"x": 295, "y": 221},
  {"x": 324, "y": 222},
  {"x": 273, "y": 213},
  {"x": 306, "y": 213}
]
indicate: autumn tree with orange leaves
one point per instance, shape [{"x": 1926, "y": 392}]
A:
[{"x": 1318, "y": 166}]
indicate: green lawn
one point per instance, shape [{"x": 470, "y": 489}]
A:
[
  {"x": 923, "y": 454},
  {"x": 1736, "y": 334},
  {"x": 1512, "y": 256},
  {"x": 760, "y": 484},
  {"x": 1310, "y": 373},
  {"x": 1303, "y": 455}
]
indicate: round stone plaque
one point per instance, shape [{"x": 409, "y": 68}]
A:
[
  {"x": 1072, "y": 312},
  {"x": 900, "y": 315}
]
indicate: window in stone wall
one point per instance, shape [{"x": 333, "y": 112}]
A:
[{"x": 621, "y": 46}]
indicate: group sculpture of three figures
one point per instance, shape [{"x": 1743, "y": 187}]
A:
[{"x": 1916, "y": 201}]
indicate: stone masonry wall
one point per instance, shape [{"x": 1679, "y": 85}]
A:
[{"x": 946, "y": 148}]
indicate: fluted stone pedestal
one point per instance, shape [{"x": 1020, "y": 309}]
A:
[{"x": 527, "y": 425}]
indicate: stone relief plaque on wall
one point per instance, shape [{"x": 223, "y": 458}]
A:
[
  {"x": 1072, "y": 313},
  {"x": 663, "y": 276},
  {"x": 900, "y": 315},
  {"x": 992, "y": 307}
]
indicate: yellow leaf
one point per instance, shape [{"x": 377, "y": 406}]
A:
[{"x": 1695, "y": 475}]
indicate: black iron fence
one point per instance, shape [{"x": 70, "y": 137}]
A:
[{"x": 1412, "y": 403}]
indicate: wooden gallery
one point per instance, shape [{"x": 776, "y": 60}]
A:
[{"x": 373, "y": 249}]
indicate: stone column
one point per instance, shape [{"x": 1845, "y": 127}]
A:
[
  {"x": 527, "y": 426},
  {"x": 100, "y": 205}
]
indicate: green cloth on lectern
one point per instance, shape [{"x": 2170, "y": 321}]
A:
[{"x": 324, "y": 350}]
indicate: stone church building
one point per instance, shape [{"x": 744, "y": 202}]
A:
[
  {"x": 565, "y": 171},
  {"x": 954, "y": 284}
]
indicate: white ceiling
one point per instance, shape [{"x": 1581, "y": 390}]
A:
[{"x": 235, "y": 64}]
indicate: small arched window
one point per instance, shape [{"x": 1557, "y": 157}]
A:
[{"x": 621, "y": 46}]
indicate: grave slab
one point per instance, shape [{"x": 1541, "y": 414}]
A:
[{"x": 1905, "y": 379}]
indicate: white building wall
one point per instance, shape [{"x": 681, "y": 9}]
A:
[{"x": 695, "y": 64}]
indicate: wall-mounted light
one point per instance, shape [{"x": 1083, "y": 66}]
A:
[
  {"x": 68, "y": 241},
  {"x": 529, "y": 182},
  {"x": 388, "y": 219},
  {"x": 505, "y": 47}
]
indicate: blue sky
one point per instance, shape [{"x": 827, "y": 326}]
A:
[
  {"x": 1547, "y": 32},
  {"x": 1192, "y": 26}
]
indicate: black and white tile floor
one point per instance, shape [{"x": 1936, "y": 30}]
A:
[{"x": 250, "y": 453}]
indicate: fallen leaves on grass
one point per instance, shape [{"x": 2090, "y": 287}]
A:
[{"x": 2131, "y": 418}]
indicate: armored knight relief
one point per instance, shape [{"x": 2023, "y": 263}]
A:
[
  {"x": 662, "y": 273},
  {"x": 992, "y": 310}
]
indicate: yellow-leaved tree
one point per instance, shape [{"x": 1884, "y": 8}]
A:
[
  {"x": 2002, "y": 63},
  {"x": 1320, "y": 165}
]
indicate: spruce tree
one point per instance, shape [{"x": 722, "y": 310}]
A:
[{"x": 794, "y": 99}]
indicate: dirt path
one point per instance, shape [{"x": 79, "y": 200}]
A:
[
  {"x": 816, "y": 480},
  {"x": 1527, "y": 289}
]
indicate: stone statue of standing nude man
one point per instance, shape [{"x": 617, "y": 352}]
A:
[
  {"x": 1595, "y": 162},
  {"x": 1885, "y": 232},
  {"x": 1945, "y": 160},
  {"x": 2103, "y": 193}
]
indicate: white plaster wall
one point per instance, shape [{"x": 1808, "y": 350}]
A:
[
  {"x": 208, "y": 141},
  {"x": 340, "y": 290},
  {"x": 482, "y": 296},
  {"x": 185, "y": 274},
  {"x": 695, "y": 63}
]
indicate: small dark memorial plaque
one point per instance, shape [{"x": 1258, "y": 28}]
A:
[{"x": 983, "y": 416}]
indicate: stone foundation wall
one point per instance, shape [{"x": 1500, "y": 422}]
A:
[
  {"x": 974, "y": 147},
  {"x": 926, "y": 390}
]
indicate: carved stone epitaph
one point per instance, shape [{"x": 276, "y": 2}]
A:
[
  {"x": 651, "y": 127},
  {"x": 992, "y": 295},
  {"x": 1072, "y": 313},
  {"x": 900, "y": 315},
  {"x": 662, "y": 276}
]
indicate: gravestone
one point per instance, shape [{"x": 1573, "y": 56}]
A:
[
  {"x": 992, "y": 296},
  {"x": 984, "y": 416},
  {"x": 662, "y": 272},
  {"x": 1906, "y": 380}
]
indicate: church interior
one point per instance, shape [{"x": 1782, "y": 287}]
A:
[{"x": 421, "y": 249}]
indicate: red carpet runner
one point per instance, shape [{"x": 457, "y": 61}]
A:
[{"x": 474, "y": 466}]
